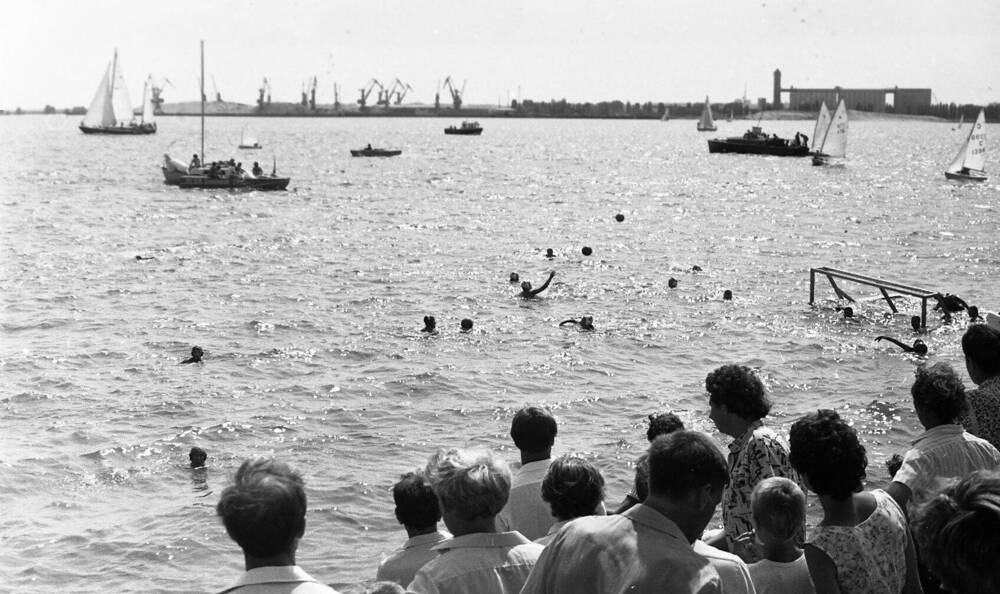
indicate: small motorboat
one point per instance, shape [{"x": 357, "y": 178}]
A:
[
  {"x": 249, "y": 142},
  {"x": 467, "y": 129},
  {"x": 368, "y": 151}
]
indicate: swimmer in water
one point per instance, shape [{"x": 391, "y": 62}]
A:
[
  {"x": 197, "y": 456},
  {"x": 950, "y": 303},
  {"x": 696, "y": 268},
  {"x": 672, "y": 283},
  {"x": 550, "y": 254},
  {"x": 973, "y": 312},
  {"x": 915, "y": 323},
  {"x": 466, "y": 325},
  {"x": 918, "y": 345},
  {"x": 514, "y": 278},
  {"x": 727, "y": 295},
  {"x": 528, "y": 293},
  {"x": 586, "y": 323},
  {"x": 145, "y": 258},
  {"x": 196, "y": 355},
  {"x": 430, "y": 325}
]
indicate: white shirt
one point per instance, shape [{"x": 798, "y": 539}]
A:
[
  {"x": 732, "y": 570},
  {"x": 945, "y": 451},
  {"x": 284, "y": 579},
  {"x": 402, "y": 564},
  {"x": 772, "y": 577},
  {"x": 526, "y": 511},
  {"x": 480, "y": 563}
]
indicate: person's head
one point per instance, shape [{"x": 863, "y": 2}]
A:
[
  {"x": 533, "y": 430},
  {"x": 915, "y": 323},
  {"x": 663, "y": 424},
  {"x": 264, "y": 510},
  {"x": 727, "y": 295},
  {"x": 549, "y": 252},
  {"x": 981, "y": 346},
  {"x": 514, "y": 277},
  {"x": 429, "y": 323},
  {"x": 587, "y": 323},
  {"x": 938, "y": 394},
  {"x": 197, "y": 456},
  {"x": 526, "y": 286},
  {"x": 957, "y": 530},
  {"x": 826, "y": 451},
  {"x": 736, "y": 397},
  {"x": 672, "y": 283},
  {"x": 683, "y": 462},
  {"x": 416, "y": 503},
  {"x": 572, "y": 487},
  {"x": 848, "y": 312},
  {"x": 778, "y": 510},
  {"x": 197, "y": 353},
  {"x": 471, "y": 485},
  {"x": 466, "y": 325}
]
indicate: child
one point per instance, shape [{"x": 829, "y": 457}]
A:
[{"x": 778, "y": 508}]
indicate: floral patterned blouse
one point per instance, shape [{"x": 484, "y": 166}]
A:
[
  {"x": 753, "y": 457},
  {"x": 870, "y": 557},
  {"x": 983, "y": 418}
]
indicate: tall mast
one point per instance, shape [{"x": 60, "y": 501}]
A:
[
  {"x": 111, "y": 87},
  {"x": 202, "y": 99}
]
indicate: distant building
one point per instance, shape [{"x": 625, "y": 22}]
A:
[{"x": 910, "y": 101}]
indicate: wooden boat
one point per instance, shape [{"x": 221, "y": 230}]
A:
[
  {"x": 833, "y": 143},
  {"x": 467, "y": 129},
  {"x": 969, "y": 163},
  {"x": 756, "y": 142},
  {"x": 219, "y": 174},
  {"x": 706, "y": 123},
  {"x": 110, "y": 111},
  {"x": 368, "y": 151}
]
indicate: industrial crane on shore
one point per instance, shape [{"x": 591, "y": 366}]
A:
[
  {"x": 399, "y": 90},
  {"x": 157, "y": 90},
  {"x": 218, "y": 95},
  {"x": 456, "y": 95},
  {"x": 264, "y": 94},
  {"x": 367, "y": 90},
  {"x": 309, "y": 93}
]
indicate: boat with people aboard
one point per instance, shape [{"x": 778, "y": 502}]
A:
[
  {"x": 832, "y": 134},
  {"x": 756, "y": 142},
  {"x": 706, "y": 123},
  {"x": 110, "y": 111},
  {"x": 218, "y": 174},
  {"x": 370, "y": 151},
  {"x": 970, "y": 162},
  {"x": 466, "y": 129},
  {"x": 249, "y": 142}
]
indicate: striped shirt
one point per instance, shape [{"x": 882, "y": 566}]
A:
[{"x": 943, "y": 452}]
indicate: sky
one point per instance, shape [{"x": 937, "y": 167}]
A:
[{"x": 55, "y": 51}]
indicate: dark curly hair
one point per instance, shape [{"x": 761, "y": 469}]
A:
[
  {"x": 416, "y": 503},
  {"x": 663, "y": 424},
  {"x": 533, "y": 429},
  {"x": 981, "y": 344},
  {"x": 572, "y": 487},
  {"x": 939, "y": 391},
  {"x": 957, "y": 533},
  {"x": 742, "y": 392},
  {"x": 827, "y": 452}
]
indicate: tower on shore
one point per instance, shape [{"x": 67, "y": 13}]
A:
[{"x": 777, "y": 88}]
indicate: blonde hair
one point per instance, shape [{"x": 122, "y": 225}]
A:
[
  {"x": 471, "y": 483},
  {"x": 778, "y": 506}
]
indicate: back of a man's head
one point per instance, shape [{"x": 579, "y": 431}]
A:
[
  {"x": 981, "y": 345},
  {"x": 264, "y": 510},
  {"x": 416, "y": 503},
  {"x": 683, "y": 461},
  {"x": 533, "y": 429},
  {"x": 471, "y": 484}
]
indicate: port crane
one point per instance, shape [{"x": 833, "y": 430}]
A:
[
  {"x": 336, "y": 96},
  {"x": 456, "y": 95},
  {"x": 264, "y": 93},
  {"x": 157, "y": 90},
  {"x": 218, "y": 95},
  {"x": 367, "y": 90},
  {"x": 309, "y": 93},
  {"x": 399, "y": 90}
]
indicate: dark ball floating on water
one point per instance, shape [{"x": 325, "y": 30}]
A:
[
  {"x": 587, "y": 251},
  {"x": 672, "y": 283},
  {"x": 619, "y": 217}
]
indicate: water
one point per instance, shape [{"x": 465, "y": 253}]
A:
[{"x": 309, "y": 305}]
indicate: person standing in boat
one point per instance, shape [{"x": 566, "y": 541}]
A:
[{"x": 257, "y": 171}]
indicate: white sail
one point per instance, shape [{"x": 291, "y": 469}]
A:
[
  {"x": 822, "y": 123},
  {"x": 100, "y": 112},
  {"x": 972, "y": 155},
  {"x": 119, "y": 96},
  {"x": 147, "y": 102},
  {"x": 706, "y": 122},
  {"x": 835, "y": 138},
  {"x": 961, "y": 118}
]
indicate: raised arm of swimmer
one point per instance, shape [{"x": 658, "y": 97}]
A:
[
  {"x": 527, "y": 292},
  {"x": 918, "y": 345}
]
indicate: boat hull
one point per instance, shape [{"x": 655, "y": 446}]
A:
[
  {"x": 200, "y": 180},
  {"x": 375, "y": 153},
  {"x": 464, "y": 131},
  {"x": 755, "y": 147},
  {"x": 250, "y": 147},
  {"x": 965, "y": 176},
  {"x": 120, "y": 130},
  {"x": 707, "y": 128}
]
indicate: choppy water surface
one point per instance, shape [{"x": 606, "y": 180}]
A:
[{"x": 309, "y": 305}]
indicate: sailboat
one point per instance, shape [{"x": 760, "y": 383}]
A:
[
  {"x": 666, "y": 115},
  {"x": 729, "y": 117},
  {"x": 968, "y": 164},
  {"x": 833, "y": 144},
  {"x": 147, "y": 118},
  {"x": 110, "y": 111},
  {"x": 706, "y": 123},
  {"x": 248, "y": 142},
  {"x": 822, "y": 123},
  {"x": 961, "y": 118},
  {"x": 219, "y": 174}
]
